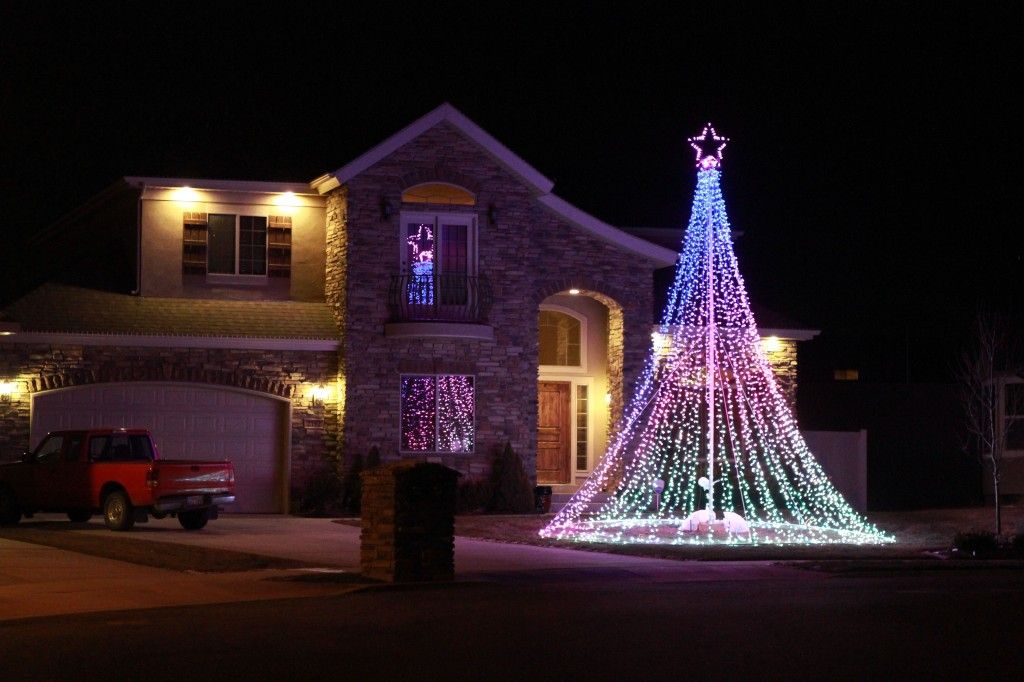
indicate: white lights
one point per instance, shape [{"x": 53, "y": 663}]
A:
[
  {"x": 574, "y": 292},
  {"x": 709, "y": 149},
  {"x": 709, "y": 420}
]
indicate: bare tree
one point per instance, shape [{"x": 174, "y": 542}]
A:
[{"x": 990, "y": 359}]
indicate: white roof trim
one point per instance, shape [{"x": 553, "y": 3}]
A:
[
  {"x": 155, "y": 341},
  {"x": 790, "y": 334},
  {"x": 252, "y": 186},
  {"x": 660, "y": 255},
  {"x": 446, "y": 112}
]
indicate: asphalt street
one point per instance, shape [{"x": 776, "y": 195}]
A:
[{"x": 582, "y": 623}]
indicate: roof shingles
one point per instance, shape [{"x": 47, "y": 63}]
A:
[{"x": 58, "y": 308}]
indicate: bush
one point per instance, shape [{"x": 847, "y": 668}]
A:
[
  {"x": 352, "y": 498},
  {"x": 975, "y": 543},
  {"x": 473, "y": 495},
  {"x": 323, "y": 493},
  {"x": 512, "y": 492}
]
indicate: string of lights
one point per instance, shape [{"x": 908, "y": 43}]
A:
[{"x": 708, "y": 450}]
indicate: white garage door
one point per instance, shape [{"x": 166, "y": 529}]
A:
[{"x": 187, "y": 422}]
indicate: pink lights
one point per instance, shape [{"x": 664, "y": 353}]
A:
[
  {"x": 708, "y": 450},
  {"x": 709, "y": 149}
]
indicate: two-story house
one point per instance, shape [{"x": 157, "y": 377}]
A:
[{"x": 432, "y": 298}]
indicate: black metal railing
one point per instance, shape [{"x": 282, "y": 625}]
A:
[{"x": 439, "y": 298}]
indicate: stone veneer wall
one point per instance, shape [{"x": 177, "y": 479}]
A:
[
  {"x": 279, "y": 373},
  {"x": 528, "y": 255},
  {"x": 783, "y": 363}
]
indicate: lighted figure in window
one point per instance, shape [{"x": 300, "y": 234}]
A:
[
  {"x": 421, "y": 264},
  {"x": 708, "y": 450}
]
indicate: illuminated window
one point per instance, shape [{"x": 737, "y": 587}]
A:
[
  {"x": 846, "y": 375},
  {"x": 437, "y": 257},
  {"x": 560, "y": 342},
  {"x": 437, "y": 413},
  {"x": 582, "y": 410}
]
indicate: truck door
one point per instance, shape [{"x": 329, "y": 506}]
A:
[
  {"x": 73, "y": 474},
  {"x": 43, "y": 489}
]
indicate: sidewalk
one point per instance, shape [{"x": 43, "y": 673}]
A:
[
  {"x": 39, "y": 581},
  {"x": 43, "y": 581}
]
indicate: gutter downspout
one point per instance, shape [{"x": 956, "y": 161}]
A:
[{"x": 138, "y": 241}]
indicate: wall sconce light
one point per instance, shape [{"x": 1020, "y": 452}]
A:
[
  {"x": 9, "y": 328},
  {"x": 574, "y": 292},
  {"x": 607, "y": 398},
  {"x": 771, "y": 344},
  {"x": 386, "y": 209},
  {"x": 7, "y": 391},
  {"x": 318, "y": 395},
  {"x": 492, "y": 215}
]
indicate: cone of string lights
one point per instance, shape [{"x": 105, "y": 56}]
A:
[{"x": 708, "y": 451}]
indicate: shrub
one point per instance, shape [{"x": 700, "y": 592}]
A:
[
  {"x": 323, "y": 493},
  {"x": 513, "y": 493},
  {"x": 352, "y": 498},
  {"x": 975, "y": 543},
  {"x": 473, "y": 495}
]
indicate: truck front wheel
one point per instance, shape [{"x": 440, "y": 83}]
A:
[
  {"x": 9, "y": 511},
  {"x": 117, "y": 511},
  {"x": 193, "y": 520}
]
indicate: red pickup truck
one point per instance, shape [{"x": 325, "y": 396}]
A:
[{"x": 117, "y": 472}]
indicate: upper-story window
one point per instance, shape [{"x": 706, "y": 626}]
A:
[
  {"x": 223, "y": 244},
  {"x": 437, "y": 256}
]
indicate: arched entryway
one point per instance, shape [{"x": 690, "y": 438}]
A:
[
  {"x": 579, "y": 376},
  {"x": 188, "y": 421}
]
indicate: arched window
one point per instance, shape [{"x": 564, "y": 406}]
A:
[
  {"x": 438, "y": 193},
  {"x": 560, "y": 339}
]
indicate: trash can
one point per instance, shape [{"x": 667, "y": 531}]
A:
[
  {"x": 542, "y": 499},
  {"x": 408, "y": 522}
]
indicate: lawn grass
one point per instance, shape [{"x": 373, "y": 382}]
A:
[
  {"x": 167, "y": 555},
  {"x": 920, "y": 535}
]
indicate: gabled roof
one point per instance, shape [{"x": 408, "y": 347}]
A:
[
  {"x": 444, "y": 113},
  {"x": 505, "y": 157},
  {"x": 61, "y": 309}
]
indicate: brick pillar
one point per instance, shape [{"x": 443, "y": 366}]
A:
[{"x": 408, "y": 522}]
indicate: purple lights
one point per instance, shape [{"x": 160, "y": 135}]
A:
[
  {"x": 709, "y": 149},
  {"x": 437, "y": 413},
  {"x": 709, "y": 450}
]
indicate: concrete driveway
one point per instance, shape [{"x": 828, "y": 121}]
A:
[{"x": 324, "y": 543}]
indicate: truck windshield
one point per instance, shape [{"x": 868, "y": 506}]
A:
[{"x": 120, "y": 448}]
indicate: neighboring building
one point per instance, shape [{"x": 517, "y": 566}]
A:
[{"x": 431, "y": 298}]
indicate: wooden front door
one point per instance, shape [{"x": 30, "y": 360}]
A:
[{"x": 554, "y": 408}]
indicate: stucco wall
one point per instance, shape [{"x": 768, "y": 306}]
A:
[{"x": 162, "y": 229}]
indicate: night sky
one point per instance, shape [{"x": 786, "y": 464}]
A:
[{"x": 873, "y": 167}]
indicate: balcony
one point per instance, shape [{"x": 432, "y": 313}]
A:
[{"x": 454, "y": 305}]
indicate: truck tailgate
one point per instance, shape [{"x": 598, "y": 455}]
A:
[{"x": 190, "y": 477}]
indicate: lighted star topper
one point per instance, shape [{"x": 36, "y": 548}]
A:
[{"x": 709, "y": 149}]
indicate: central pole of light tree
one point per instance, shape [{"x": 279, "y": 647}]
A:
[{"x": 711, "y": 362}]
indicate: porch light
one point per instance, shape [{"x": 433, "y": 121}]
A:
[
  {"x": 319, "y": 394},
  {"x": 607, "y": 398},
  {"x": 8, "y": 389},
  {"x": 287, "y": 199},
  {"x": 771, "y": 344},
  {"x": 574, "y": 292},
  {"x": 9, "y": 328},
  {"x": 186, "y": 195}
]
